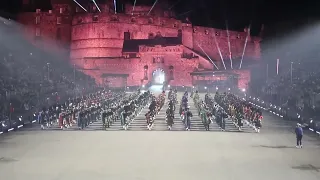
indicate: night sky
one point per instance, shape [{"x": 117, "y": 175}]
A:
[{"x": 214, "y": 13}]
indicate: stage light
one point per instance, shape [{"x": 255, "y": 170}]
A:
[
  {"x": 228, "y": 89},
  {"x": 205, "y": 87},
  {"x": 152, "y": 7},
  {"x": 160, "y": 78},
  {"x": 80, "y": 5},
  {"x": 143, "y": 86},
  {"x": 243, "y": 90},
  {"x": 217, "y": 88},
  {"x": 96, "y": 5},
  {"x": 168, "y": 86},
  {"x": 115, "y": 6}
]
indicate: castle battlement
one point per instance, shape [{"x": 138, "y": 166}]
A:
[
  {"x": 126, "y": 19},
  {"x": 112, "y": 43},
  {"x": 165, "y": 22},
  {"x": 222, "y": 33}
]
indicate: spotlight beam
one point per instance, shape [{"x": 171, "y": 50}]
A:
[
  {"x": 134, "y": 5},
  {"x": 217, "y": 45},
  {"x": 115, "y": 6},
  {"x": 152, "y": 7},
  {"x": 208, "y": 57},
  {"x": 229, "y": 45},
  {"x": 184, "y": 13},
  {"x": 96, "y": 5},
  {"x": 174, "y": 5},
  {"x": 80, "y": 5},
  {"x": 245, "y": 46}
]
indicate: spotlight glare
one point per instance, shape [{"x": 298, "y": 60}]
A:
[
  {"x": 96, "y": 5},
  {"x": 115, "y": 6},
  {"x": 80, "y": 5}
]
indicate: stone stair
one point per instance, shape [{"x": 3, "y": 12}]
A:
[
  {"x": 160, "y": 120},
  {"x": 139, "y": 123},
  {"x": 196, "y": 122}
]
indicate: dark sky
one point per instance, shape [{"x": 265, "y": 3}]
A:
[{"x": 214, "y": 13}]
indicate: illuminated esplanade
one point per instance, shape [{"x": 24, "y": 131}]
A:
[{"x": 131, "y": 47}]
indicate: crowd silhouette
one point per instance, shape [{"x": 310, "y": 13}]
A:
[
  {"x": 31, "y": 78},
  {"x": 296, "y": 91}
]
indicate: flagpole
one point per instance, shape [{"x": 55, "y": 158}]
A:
[
  {"x": 277, "y": 66},
  {"x": 10, "y": 109},
  {"x": 267, "y": 73}
]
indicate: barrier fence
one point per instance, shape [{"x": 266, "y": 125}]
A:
[{"x": 283, "y": 112}]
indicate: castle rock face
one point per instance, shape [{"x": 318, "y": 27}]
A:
[{"x": 129, "y": 48}]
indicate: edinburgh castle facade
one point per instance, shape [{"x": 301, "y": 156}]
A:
[{"x": 126, "y": 48}]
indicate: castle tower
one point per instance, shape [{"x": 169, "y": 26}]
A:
[
  {"x": 187, "y": 34},
  {"x": 62, "y": 11}
]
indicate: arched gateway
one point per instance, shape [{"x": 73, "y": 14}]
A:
[{"x": 158, "y": 77}]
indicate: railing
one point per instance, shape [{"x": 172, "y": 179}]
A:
[{"x": 285, "y": 113}]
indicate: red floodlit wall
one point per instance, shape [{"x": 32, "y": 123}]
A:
[
  {"x": 203, "y": 62},
  {"x": 181, "y": 67},
  {"x": 187, "y": 35},
  {"x": 205, "y": 38},
  {"x": 44, "y": 30},
  {"x": 244, "y": 78},
  {"x": 94, "y": 42},
  {"x": 135, "y": 67},
  {"x": 104, "y": 36}
]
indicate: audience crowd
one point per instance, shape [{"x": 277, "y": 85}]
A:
[
  {"x": 296, "y": 91},
  {"x": 32, "y": 79}
]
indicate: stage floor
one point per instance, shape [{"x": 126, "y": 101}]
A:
[{"x": 156, "y": 155}]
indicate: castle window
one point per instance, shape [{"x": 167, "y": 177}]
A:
[
  {"x": 217, "y": 34},
  {"x": 238, "y": 36},
  {"x": 77, "y": 9},
  {"x": 162, "y": 23},
  {"x": 114, "y": 18},
  {"x": 38, "y": 20},
  {"x": 194, "y": 30},
  {"x": 38, "y": 32},
  {"x": 206, "y": 32},
  {"x": 133, "y": 20},
  {"x": 79, "y": 21},
  {"x": 175, "y": 25},
  {"x": 150, "y": 21},
  {"x": 150, "y": 36},
  {"x": 59, "y": 20},
  {"x": 61, "y": 10},
  {"x": 95, "y": 18},
  {"x": 94, "y": 9}
]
